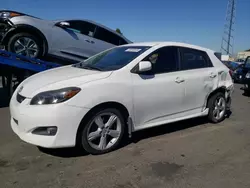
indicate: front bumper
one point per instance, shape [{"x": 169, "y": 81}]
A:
[{"x": 25, "y": 118}]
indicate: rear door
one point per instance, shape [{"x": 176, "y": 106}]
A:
[
  {"x": 200, "y": 78},
  {"x": 105, "y": 39}
]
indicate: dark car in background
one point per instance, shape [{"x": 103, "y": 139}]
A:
[
  {"x": 238, "y": 74},
  {"x": 246, "y": 75}
]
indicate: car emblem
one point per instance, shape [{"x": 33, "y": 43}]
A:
[{"x": 20, "y": 89}]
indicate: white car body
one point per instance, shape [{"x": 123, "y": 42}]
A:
[{"x": 149, "y": 100}]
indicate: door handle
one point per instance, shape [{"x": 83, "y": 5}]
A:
[
  {"x": 212, "y": 75},
  {"x": 179, "y": 80},
  {"x": 92, "y": 42}
]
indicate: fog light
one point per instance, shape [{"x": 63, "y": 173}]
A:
[{"x": 47, "y": 131}]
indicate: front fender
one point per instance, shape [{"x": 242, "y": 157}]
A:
[{"x": 24, "y": 28}]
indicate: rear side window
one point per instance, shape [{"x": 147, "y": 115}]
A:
[
  {"x": 194, "y": 59},
  {"x": 122, "y": 41},
  {"x": 107, "y": 36}
]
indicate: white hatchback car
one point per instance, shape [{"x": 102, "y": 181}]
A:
[{"x": 95, "y": 103}]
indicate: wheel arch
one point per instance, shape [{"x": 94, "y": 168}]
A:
[
  {"x": 27, "y": 29},
  {"x": 221, "y": 89},
  {"x": 111, "y": 104}
]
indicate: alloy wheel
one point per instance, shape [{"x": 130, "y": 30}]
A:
[
  {"x": 104, "y": 131},
  {"x": 26, "y": 46},
  {"x": 219, "y": 108}
]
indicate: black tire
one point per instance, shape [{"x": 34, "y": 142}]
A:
[
  {"x": 211, "y": 106},
  {"x": 4, "y": 84},
  {"x": 83, "y": 132},
  {"x": 15, "y": 37},
  {"x": 246, "y": 93}
]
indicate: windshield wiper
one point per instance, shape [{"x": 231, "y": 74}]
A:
[{"x": 90, "y": 67}]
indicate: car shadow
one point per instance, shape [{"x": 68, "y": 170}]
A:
[
  {"x": 4, "y": 98},
  {"x": 64, "y": 152},
  {"x": 136, "y": 137},
  {"x": 246, "y": 94}
]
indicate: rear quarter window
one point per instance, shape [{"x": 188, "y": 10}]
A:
[{"x": 194, "y": 59}]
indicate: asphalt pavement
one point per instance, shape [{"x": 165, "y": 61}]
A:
[{"x": 191, "y": 153}]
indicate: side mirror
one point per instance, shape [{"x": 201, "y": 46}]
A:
[
  {"x": 144, "y": 66},
  {"x": 63, "y": 24}
]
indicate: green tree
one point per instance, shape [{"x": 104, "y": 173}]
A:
[{"x": 118, "y": 31}]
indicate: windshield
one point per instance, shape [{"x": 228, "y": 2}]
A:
[
  {"x": 247, "y": 64},
  {"x": 113, "y": 59}
]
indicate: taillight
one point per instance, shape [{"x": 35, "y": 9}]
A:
[{"x": 231, "y": 72}]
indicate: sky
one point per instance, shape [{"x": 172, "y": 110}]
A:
[{"x": 199, "y": 22}]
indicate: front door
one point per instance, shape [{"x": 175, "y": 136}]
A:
[
  {"x": 74, "y": 41},
  {"x": 158, "y": 94}
]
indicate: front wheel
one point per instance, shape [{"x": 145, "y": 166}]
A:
[
  {"x": 25, "y": 44},
  {"x": 103, "y": 131},
  {"x": 217, "y": 108}
]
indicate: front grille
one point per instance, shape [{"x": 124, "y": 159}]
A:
[{"x": 20, "y": 98}]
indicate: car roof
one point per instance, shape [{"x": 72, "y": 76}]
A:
[{"x": 165, "y": 43}]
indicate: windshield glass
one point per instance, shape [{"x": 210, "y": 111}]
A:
[
  {"x": 247, "y": 64},
  {"x": 113, "y": 59}
]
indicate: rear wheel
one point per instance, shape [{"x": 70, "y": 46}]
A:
[
  {"x": 103, "y": 131},
  {"x": 217, "y": 107},
  {"x": 25, "y": 44}
]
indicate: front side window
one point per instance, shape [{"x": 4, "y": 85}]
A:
[
  {"x": 163, "y": 60},
  {"x": 112, "y": 59},
  {"x": 82, "y": 27},
  {"x": 107, "y": 36},
  {"x": 194, "y": 59}
]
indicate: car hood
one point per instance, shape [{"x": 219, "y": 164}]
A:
[{"x": 66, "y": 76}]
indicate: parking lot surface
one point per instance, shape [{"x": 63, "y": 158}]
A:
[{"x": 190, "y": 153}]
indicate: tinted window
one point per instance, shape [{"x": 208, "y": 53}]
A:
[
  {"x": 113, "y": 59},
  {"x": 194, "y": 59},
  {"x": 163, "y": 60},
  {"x": 122, "y": 41},
  {"x": 107, "y": 36},
  {"x": 82, "y": 27}
]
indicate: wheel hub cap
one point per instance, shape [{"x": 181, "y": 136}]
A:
[
  {"x": 104, "y": 131},
  {"x": 26, "y": 46},
  {"x": 219, "y": 108}
]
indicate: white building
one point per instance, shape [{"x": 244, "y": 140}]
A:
[{"x": 244, "y": 54}]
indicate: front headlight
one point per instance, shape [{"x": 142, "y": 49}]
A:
[
  {"x": 55, "y": 96},
  {"x": 9, "y": 14},
  {"x": 248, "y": 75}
]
